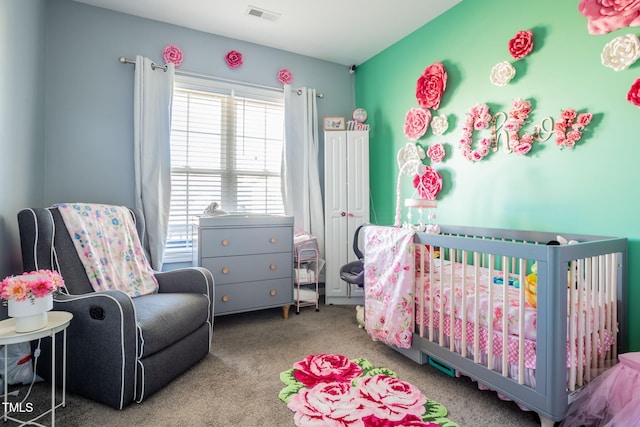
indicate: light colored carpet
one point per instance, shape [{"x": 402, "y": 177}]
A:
[{"x": 238, "y": 383}]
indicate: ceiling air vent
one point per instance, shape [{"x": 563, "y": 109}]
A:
[{"x": 261, "y": 13}]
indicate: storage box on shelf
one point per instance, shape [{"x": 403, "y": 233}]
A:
[{"x": 307, "y": 268}]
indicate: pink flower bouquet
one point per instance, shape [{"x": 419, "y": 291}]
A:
[{"x": 36, "y": 284}]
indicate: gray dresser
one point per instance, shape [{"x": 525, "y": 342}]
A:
[{"x": 251, "y": 259}]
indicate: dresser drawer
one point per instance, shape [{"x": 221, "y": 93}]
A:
[
  {"x": 242, "y": 241},
  {"x": 248, "y": 268},
  {"x": 247, "y": 296}
]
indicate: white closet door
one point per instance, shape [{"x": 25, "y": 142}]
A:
[
  {"x": 357, "y": 182},
  {"x": 346, "y": 208},
  {"x": 335, "y": 173}
]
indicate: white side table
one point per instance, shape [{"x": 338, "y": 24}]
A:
[{"x": 58, "y": 321}]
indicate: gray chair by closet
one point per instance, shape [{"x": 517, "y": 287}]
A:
[{"x": 119, "y": 349}]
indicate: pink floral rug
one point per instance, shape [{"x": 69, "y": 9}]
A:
[{"x": 326, "y": 390}]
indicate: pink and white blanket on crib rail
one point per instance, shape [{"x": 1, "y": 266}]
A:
[{"x": 388, "y": 284}]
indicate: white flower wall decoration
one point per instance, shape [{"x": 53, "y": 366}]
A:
[
  {"x": 621, "y": 52},
  {"x": 502, "y": 73}
]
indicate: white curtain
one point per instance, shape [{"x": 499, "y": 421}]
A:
[
  {"x": 301, "y": 180},
  {"x": 152, "y": 127}
]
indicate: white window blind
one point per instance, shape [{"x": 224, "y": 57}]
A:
[{"x": 226, "y": 147}]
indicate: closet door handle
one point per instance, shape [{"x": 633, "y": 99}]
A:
[{"x": 343, "y": 213}]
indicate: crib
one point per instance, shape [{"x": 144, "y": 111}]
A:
[{"x": 476, "y": 312}]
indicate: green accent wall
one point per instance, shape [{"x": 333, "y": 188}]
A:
[{"x": 589, "y": 190}]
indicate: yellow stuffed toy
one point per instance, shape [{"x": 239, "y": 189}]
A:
[{"x": 531, "y": 288}]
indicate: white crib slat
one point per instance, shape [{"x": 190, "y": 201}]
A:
[
  {"x": 601, "y": 301},
  {"x": 432, "y": 294},
  {"x": 452, "y": 308},
  {"x": 613, "y": 268},
  {"x": 595, "y": 319},
  {"x": 505, "y": 312},
  {"x": 492, "y": 263},
  {"x": 588, "y": 298},
  {"x": 521, "y": 300},
  {"x": 418, "y": 289},
  {"x": 463, "y": 304},
  {"x": 442, "y": 302},
  {"x": 571, "y": 294},
  {"x": 610, "y": 304},
  {"x": 580, "y": 284},
  {"x": 476, "y": 308}
]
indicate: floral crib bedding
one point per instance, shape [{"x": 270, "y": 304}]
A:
[
  {"x": 491, "y": 308},
  {"x": 395, "y": 284}
]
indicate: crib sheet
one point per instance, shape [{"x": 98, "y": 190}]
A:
[
  {"x": 441, "y": 303},
  {"x": 481, "y": 288}
]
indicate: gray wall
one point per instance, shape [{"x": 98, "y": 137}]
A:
[
  {"x": 89, "y": 101},
  {"x": 66, "y": 102},
  {"x": 22, "y": 49}
]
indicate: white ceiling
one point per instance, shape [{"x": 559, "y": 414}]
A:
[{"x": 346, "y": 32}]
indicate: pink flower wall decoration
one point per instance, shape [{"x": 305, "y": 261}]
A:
[
  {"x": 431, "y": 85},
  {"x": 633, "y": 96},
  {"x": 429, "y": 184},
  {"x": 233, "y": 59},
  {"x": 604, "y": 16},
  {"x": 521, "y": 44},
  {"x": 416, "y": 122},
  {"x": 172, "y": 54},
  {"x": 284, "y": 76},
  {"x": 436, "y": 152},
  {"x": 569, "y": 126}
]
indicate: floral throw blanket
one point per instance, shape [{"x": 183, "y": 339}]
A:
[
  {"x": 108, "y": 245},
  {"x": 389, "y": 272}
]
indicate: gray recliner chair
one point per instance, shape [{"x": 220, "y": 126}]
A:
[{"x": 119, "y": 349}]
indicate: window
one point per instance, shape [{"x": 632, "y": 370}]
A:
[{"x": 226, "y": 147}]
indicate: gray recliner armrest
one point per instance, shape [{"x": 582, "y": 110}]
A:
[
  {"x": 190, "y": 279},
  {"x": 104, "y": 336}
]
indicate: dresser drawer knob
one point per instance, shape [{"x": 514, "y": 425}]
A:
[
  {"x": 272, "y": 240},
  {"x": 225, "y": 270},
  {"x": 225, "y": 298},
  {"x": 272, "y": 267},
  {"x": 272, "y": 292},
  {"x": 225, "y": 242}
]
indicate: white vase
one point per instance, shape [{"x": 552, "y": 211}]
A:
[{"x": 30, "y": 315}]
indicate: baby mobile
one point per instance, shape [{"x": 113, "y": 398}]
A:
[{"x": 426, "y": 180}]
